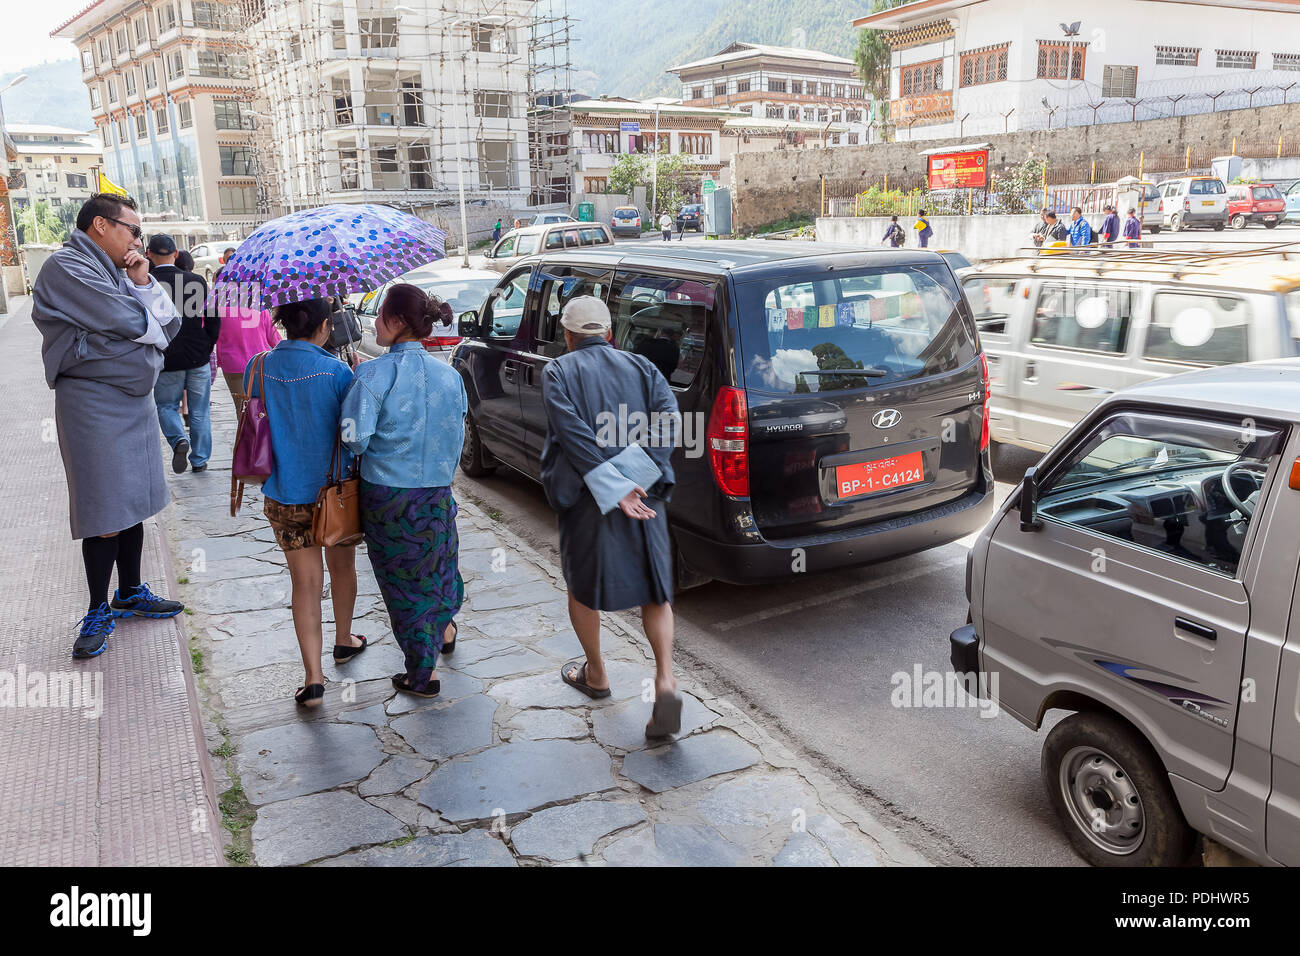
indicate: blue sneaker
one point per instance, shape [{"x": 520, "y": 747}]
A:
[
  {"x": 144, "y": 603},
  {"x": 95, "y": 629}
]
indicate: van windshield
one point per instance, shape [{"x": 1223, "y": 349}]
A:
[{"x": 856, "y": 328}]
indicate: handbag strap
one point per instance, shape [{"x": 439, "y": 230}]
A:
[{"x": 237, "y": 486}]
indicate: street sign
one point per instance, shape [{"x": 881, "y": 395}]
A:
[
  {"x": 708, "y": 187},
  {"x": 631, "y": 126}
]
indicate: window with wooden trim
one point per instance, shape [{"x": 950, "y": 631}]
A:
[
  {"x": 1286, "y": 61},
  {"x": 1056, "y": 60},
  {"x": 1119, "y": 81},
  {"x": 697, "y": 92},
  {"x": 776, "y": 112},
  {"x": 600, "y": 142},
  {"x": 742, "y": 86},
  {"x": 697, "y": 144},
  {"x": 1235, "y": 59},
  {"x": 1177, "y": 55},
  {"x": 719, "y": 89},
  {"x": 796, "y": 86},
  {"x": 984, "y": 66},
  {"x": 776, "y": 86},
  {"x": 921, "y": 78},
  {"x": 595, "y": 184}
]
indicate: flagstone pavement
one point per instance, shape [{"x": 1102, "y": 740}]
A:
[{"x": 508, "y": 766}]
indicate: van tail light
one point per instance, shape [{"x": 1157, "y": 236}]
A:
[
  {"x": 988, "y": 389},
  {"x": 728, "y": 438},
  {"x": 441, "y": 341},
  {"x": 1295, "y": 474},
  {"x": 1161, "y": 207},
  {"x": 1187, "y": 204}
]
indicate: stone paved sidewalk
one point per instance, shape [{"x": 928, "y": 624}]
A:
[{"x": 509, "y": 766}]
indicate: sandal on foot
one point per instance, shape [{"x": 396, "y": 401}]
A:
[
  {"x": 580, "y": 681},
  {"x": 403, "y": 683},
  {"x": 343, "y": 652},
  {"x": 666, "y": 717},
  {"x": 450, "y": 646},
  {"x": 310, "y": 696}
]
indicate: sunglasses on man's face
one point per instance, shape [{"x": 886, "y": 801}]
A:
[{"x": 136, "y": 231}]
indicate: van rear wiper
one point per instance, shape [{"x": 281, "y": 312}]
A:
[{"x": 874, "y": 371}]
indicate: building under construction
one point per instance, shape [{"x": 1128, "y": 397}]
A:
[{"x": 407, "y": 104}]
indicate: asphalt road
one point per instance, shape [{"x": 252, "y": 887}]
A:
[{"x": 813, "y": 660}]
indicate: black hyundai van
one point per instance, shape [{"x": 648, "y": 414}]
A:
[{"x": 834, "y": 400}]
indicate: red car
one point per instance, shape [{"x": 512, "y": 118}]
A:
[{"x": 1255, "y": 202}]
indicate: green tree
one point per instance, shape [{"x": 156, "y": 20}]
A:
[
  {"x": 679, "y": 176},
  {"x": 50, "y": 230},
  {"x": 872, "y": 56},
  {"x": 67, "y": 214}
]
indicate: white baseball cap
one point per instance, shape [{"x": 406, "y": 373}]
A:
[{"x": 586, "y": 315}]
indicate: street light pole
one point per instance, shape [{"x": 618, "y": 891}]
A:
[{"x": 654, "y": 195}]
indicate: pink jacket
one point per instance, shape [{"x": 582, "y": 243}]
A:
[{"x": 244, "y": 333}]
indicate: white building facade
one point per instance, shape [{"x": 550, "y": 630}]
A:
[
  {"x": 970, "y": 67},
  {"x": 55, "y": 165},
  {"x": 374, "y": 101}
]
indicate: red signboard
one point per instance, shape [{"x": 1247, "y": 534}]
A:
[{"x": 959, "y": 170}]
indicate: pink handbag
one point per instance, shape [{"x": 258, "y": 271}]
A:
[{"x": 252, "y": 460}]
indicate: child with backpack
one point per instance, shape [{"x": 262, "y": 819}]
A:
[{"x": 895, "y": 235}]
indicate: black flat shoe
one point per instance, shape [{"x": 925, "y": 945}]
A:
[
  {"x": 403, "y": 683},
  {"x": 449, "y": 647},
  {"x": 311, "y": 695},
  {"x": 344, "y": 653}
]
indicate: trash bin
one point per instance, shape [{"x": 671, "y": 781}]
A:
[{"x": 586, "y": 212}]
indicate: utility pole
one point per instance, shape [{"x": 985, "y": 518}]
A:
[{"x": 654, "y": 194}]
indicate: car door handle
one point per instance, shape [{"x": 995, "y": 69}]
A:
[
  {"x": 1031, "y": 373},
  {"x": 1200, "y": 630},
  {"x": 509, "y": 370}
]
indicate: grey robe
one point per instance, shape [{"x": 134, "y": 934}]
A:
[
  {"x": 611, "y": 562},
  {"x": 90, "y": 316}
]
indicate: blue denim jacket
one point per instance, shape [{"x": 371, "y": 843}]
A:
[
  {"x": 305, "y": 386},
  {"x": 405, "y": 414}
]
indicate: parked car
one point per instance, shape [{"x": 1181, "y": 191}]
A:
[
  {"x": 1142, "y": 578},
  {"x": 959, "y": 264},
  {"x": 548, "y": 218},
  {"x": 533, "y": 239},
  {"x": 1293, "y": 201},
  {"x": 1193, "y": 201},
  {"x": 207, "y": 256},
  {"x": 691, "y": 217},
  {"x": 626, "y": 221},
  {"x": 462, "y": 289},
  {"x": 1064, "y": 331},
  {"x": 833, "y": 398},
  {"x": 1255, "y": 202}
]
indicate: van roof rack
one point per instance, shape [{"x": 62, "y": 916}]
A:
[{"x": 1184, "y": 261}]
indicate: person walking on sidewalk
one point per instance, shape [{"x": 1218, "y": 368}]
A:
[
  {"x": 1133, "y": 229},
  {"x": 894, "y": 235},
  {"x": 1109, "y": 227},
  {"x": 1080, "y": 230},
  {"x": 186, "y": 371},
  {"x": 245, "y": 331},
  {"x": 666, "y": 227},
  {"x": 405, "y": 415},
  {"x": 305, "y": 386},
  {"x": 614, "y": 544},
  {"x": 923, "y": 230},
  {"x": 104, "y": 324}
]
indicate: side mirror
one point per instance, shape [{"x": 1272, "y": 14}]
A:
[
  {"x": 467, "y": 327},
  {"x": 1029, "y": 500}
]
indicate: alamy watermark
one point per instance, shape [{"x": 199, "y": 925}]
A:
[{"x": 73, "y": 690}]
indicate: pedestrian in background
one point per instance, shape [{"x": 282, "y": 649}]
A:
[
  {"x": 305, "y": 386},
  {"x": 612, "y": 503},
  {"x": 1080, "y": 230},
  {"x": 1133, "y": 229},
  {"x": 895, "y": 234},
  {"x": 405, "y": 415},
  {"x": 246, "y": 329},
  {"x": 496, "y": 231},
  {"x": 1040, "y": 228},
  {"x": 1056, "y": 230},
  {"x": 104, "y": 324},
  {"x": 923, "y": 230},
  {"x": 666, "y": 227},
  {"x": 1109, "y": 227},
  {"x": 186, "y": 370}
]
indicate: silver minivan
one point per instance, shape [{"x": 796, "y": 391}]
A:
[
  {"x": 1062, "y": 332},
  {"x": 1143, "y": 579},
  {"x": 531, "y": 240}
]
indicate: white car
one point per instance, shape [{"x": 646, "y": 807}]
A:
[
  {"x": 1193, "y": 201},
  {"x": 463, "y": 289},
  {"x": 207, "y": 256}
]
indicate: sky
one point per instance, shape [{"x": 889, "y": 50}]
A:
[{"x": 26, "y": 38}]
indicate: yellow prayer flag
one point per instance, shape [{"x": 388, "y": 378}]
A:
[
  {"x": 826, "y": 316},
  {"x": 106, "y": 185}
]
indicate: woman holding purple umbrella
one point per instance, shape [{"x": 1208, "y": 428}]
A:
[{"x": 305, "y": 386}]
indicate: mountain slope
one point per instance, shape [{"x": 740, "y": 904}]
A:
[
  {"x": 623, "y": 49},
  {"x": 52, "y": 95}
]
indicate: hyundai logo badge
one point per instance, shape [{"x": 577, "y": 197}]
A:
[{"x": 886, "y": 418}]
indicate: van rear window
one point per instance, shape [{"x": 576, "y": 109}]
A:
[{"x": 853, "y": 329}]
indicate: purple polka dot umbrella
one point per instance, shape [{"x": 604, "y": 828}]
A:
[{"x": 330, "y": 250}]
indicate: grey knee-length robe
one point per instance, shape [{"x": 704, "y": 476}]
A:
[
  {"x": 103, "y": 340},
  {"x": 597, "y": 398}
]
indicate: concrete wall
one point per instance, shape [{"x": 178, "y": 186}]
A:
[
  {"x": 975, "y": 237},
  {"x": 771, "y": 186}
]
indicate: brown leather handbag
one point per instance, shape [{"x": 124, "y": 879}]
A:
[{"x": 336, "y": 522}]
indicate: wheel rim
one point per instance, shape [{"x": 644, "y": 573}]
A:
[
  {"x": 468, "y": 445},
  {"x": 1103, "y": 801},
  {"x": 1238, "y": 222}
]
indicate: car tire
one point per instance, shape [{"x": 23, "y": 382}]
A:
[
  {"x": 475, "y": 460},
  {"x": 1271, "y": 225},
  {"x": 1238, "y": 221},
  {"x": 1090, "y": 746},
  {"x": 1175, "y": 223},
  {"x": 1154, "y": 229},
  {"x": 1218, "y": 226}
]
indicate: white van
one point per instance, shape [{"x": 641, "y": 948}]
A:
[{"x": 1193, "y": 201}]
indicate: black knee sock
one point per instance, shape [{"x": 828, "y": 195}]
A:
[
  {"x": 99, "y": 555},
  {"x": 130, "y": 545}
]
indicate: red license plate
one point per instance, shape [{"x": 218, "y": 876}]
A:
[{"x": 884, "y": 474}]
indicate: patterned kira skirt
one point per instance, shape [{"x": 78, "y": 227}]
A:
[{"x": 412, "y": 542}]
